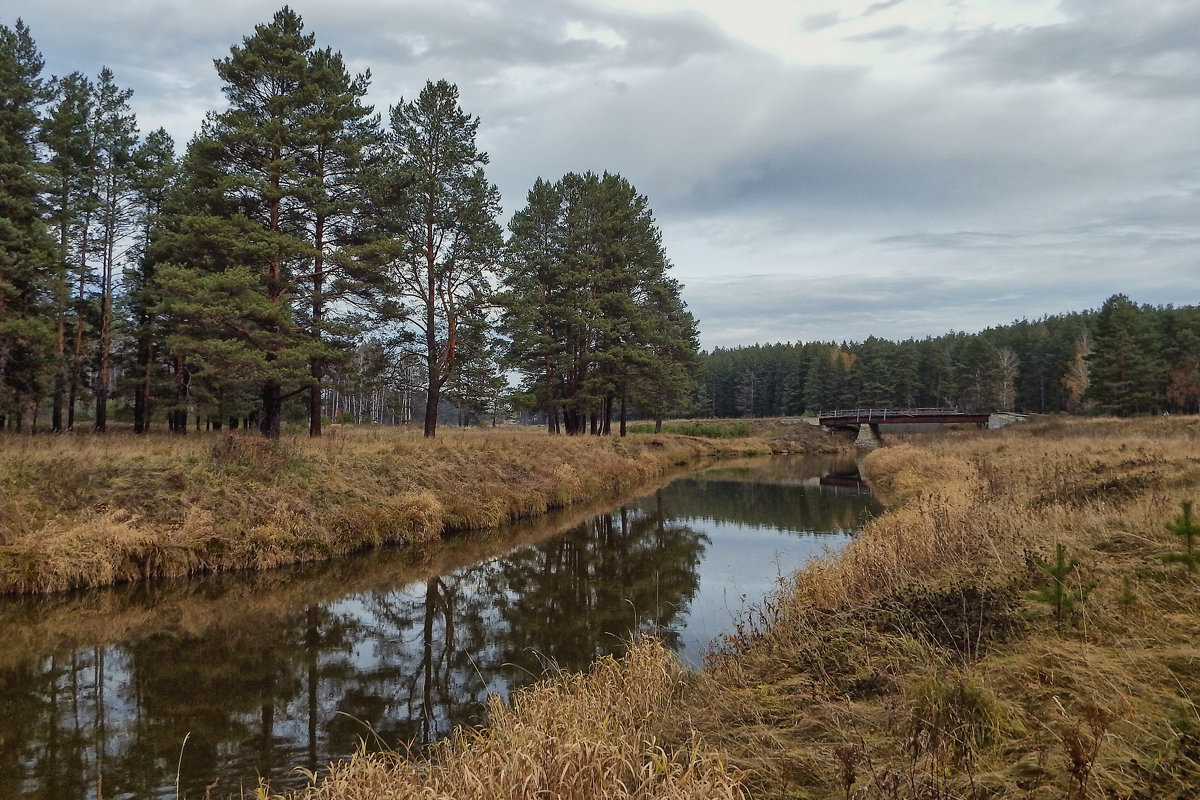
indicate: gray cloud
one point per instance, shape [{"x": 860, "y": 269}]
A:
[
  {"x": 819, "y": 22},
  {"x": 875, "y": 8},
  {"x": 962, "y": 177},
  {"x": 1118, "y": 45},
  {"x": 892, "y": 32}
]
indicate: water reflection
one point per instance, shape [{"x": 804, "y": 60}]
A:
[{"x": 119, "y": 693}]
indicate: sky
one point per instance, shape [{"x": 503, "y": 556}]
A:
[{"x": 821, "y": 170}]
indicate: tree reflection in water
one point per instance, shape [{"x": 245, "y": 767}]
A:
[{"x": 260, "y": 674}]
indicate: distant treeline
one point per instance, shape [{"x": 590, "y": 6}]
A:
[{"x": 1122, "y": 359}]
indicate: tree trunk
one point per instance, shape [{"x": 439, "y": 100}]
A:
[
  {"x": 432, "y": 398},
  {"x": 141, "y": 393},
  {"x": 622, "y": 414},
  {"x": 77, "y": 360},
  {"x": 314, "y": 402},
  {"x": 56, "y": 410},
  {"x": 178, "y": 416},
  {"x": 102, "y": 379},
  {"x": 108, "y": 265},
  {"x": 318, "y": 319},
  {"x": 272, "y": 409},
  {"x": 432, "y": 355},
  {"x": 60, "y": 380}
]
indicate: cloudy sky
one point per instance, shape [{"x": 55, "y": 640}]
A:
[{"x": 820, "y": 169}]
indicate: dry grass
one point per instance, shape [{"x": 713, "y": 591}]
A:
[
  {"x": 918, "y": 663},
  {"x": 258, "y": 599},
  {"x": 573, "y": 737},
  {"x": 88, "y": 511}
]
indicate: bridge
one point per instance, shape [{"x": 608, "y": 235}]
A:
[
  {"x": 899, "y": 416},
  {"x": 868, "y": 420}
]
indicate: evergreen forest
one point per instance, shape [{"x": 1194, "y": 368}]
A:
[{"x": 1122, "y": 359}]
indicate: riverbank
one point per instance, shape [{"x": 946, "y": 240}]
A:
[
  {"x": 932, "y": 658},
  {"x": 87, "y": 511},
  {"x": 955, "y": 651}
]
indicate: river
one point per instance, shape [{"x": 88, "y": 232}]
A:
[{"x": 163, "y": 689}]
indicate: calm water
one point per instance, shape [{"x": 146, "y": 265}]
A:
[{"x": 121, "y": 693}]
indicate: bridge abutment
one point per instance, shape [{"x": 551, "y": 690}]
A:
[{"x": 868, "y": 436}]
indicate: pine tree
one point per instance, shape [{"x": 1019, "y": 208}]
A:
[
  {"x": 1125, "y": 375},
  {"x": 872, "y": 374},
  {"x": 1182, "y": 356},
  {"x": 343, "y": 136},
  {"x": 114, "y": 137},
  {"x": 595, "y": 323},
  {"x": 1059, "y": 595},
  {"x": 156, "y": 170},
  {"x": 664, "y": 378},
  {"x": 27, "y": 251},
  {"x": 445, "y": 240},
  {"x": 536, "y": 309},
  {"x": 70, "y": 202},
  {"x": 1183, "y": 527},
  {"x": 978, "y": 375},
  {"x": 249, "y": 228}
]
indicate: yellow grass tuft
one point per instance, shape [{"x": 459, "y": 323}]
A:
[{"x": 572, "y": 737}]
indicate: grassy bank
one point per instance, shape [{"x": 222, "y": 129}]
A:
[
  {"x": 781, "y": 435},
  {"x": 91, "y": 511},
  {"x": 950, "y": 652},
  {"x": 932, "y": 659}
]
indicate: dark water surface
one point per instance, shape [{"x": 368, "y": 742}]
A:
[{"x": 131, "y": 691}]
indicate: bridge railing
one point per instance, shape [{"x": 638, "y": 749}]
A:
[{"x": 870, "y": 414}]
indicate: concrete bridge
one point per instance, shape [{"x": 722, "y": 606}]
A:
[{"x": 867, "y": 420}]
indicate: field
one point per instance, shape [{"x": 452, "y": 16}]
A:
[{"x": 1023, "y": 622}]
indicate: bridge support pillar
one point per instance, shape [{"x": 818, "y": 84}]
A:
[{"x": 868, "y": 436}]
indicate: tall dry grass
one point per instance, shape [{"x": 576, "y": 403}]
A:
[
  {"x": 573, "y": 737},
  {"x": 87, "y": 511},
  {"x": 920, "y": 663}
]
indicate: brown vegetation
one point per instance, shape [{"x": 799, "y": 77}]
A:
[
  {"x": 922, "y": 662},
  {"x": 571, "y": 737},
  {"x": 925, "y": 661},
  {"x": 92, "y": 511}
]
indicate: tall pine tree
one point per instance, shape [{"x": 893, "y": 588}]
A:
[
  {"x": 594, "y": 322},
  {"x": 70, "y": 201},
  {"x": 441, "y": 219},
  {"x": 264, "y": 202},
  {"x": 27, "y": 251},
  {"x": 1125, "y": 375}
]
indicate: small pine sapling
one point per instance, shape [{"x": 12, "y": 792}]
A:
[
  {"x": 1128, "y": 598},
  {"x": 1058, "y": 594},
  {"x": 1183, "y": 526}
]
